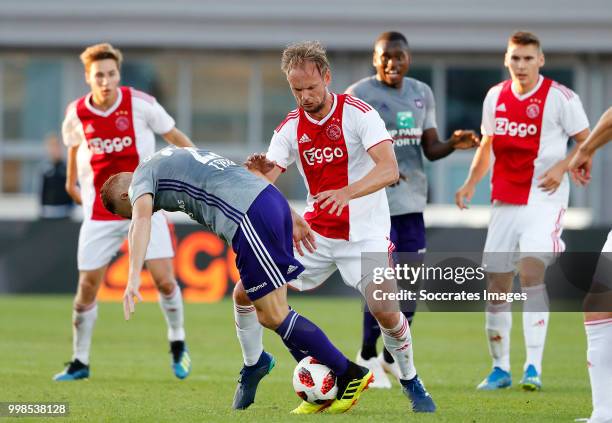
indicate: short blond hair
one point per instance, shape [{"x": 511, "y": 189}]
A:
[
  {"x": 100, "y": 51},
  {"x": 306, "y": 51}
]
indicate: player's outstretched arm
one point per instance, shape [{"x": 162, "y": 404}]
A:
[
  {"x": 385, "y": 172},
  {"x": 434, "y": 149},
  {"x": 177, "y": 137},
  {"x": 71, "y": 175},
  {"x": 478, "y": 169},
  {"x": 580, "y": 165},
  {"x": 550, "y": 180},
  {"x": 138, "y": 239},
  {"x": 259, "y": 164}
]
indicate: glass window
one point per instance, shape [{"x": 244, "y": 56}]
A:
[
  {"x": 277, "y": 98},
  {"x": 564, "y": 76},
  {"x": 156, "y": 77},
  {"x": 422, "y": 73},
  {"x": 466, "y": 89},
  {"x": 220, "y": 98},
  {"x": 31, "y": 97}
]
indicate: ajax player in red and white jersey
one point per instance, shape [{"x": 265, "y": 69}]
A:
[
  {"x": 345, "y": 155},
  {"x": 111, "y": 130},
  {"x": 598, "y": 313},
  {"x": 526, "y": 123}
]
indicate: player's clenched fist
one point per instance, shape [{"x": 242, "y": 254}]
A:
[
  {"x": 464, "y": 195},
  {"x": 463, "y": 139},
  {"x": 580, "y": 166}
]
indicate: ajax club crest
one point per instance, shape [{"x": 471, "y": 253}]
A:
[
  {"x": 122, "y": 123},
  {"x": 333, "y": 132}
]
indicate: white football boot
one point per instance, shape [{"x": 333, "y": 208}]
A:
[
  {"x": 391, "y": 368},
  {"x": 381, "y": 381}
]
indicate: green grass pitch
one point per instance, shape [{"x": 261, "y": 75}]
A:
[{"x": 131, "y": 379}]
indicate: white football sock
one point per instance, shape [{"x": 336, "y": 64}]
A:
[
  {"x": 83, "y": 321},
  {"x": 498, "y": 326},
  {"x": 249, "y": 332},
  {"x": 172, "y": 308},
  {"x": 398, "y": 342},
  {"x": 535, "y": 324},
  {"x": 599, "y": 352}
]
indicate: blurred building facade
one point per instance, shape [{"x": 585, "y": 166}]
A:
[{"x": 215, "y": 67}]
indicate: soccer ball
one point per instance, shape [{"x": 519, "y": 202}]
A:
[{"x": 314, "y": 382}]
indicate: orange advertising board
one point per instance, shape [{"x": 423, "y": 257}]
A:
[{"x": 204, "y": 265}]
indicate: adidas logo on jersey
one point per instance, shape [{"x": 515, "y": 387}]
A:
[
  {"x": 501, "y": 108},
  {"x": 305, "y": 138},
  {"x": 89, "y": 128},
  {"x": 291, "y": 269}
]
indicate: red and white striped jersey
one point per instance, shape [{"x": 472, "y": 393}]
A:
[
  {"x": 111, "y": 141},
  {"x": 530, "y": 134},
  {"x": 331, "y": 154}
]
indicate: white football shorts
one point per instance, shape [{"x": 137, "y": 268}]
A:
[
  {"x": 99, "y": 241},
  {"x": 332, "y": 254},
  {"x": 515, "y": 232}
]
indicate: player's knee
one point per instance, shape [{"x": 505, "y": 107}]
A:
[
  {"x": 240, "y": 296},
  {"x": 532, "y": 271},
  {"x": 271, "y": 318},
  {"x": 88, "y": 288},
  {"x": 387, "y": 319},
  {"x": 166, "y": 284}
]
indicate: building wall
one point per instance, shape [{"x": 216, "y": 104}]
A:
[{"x": 215, "y": 67}]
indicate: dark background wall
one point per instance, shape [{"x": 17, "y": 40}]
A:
[{"x": 40, "y": 257}]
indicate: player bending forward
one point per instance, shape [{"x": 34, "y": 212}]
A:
[
  {"x": 526, "y": 122},
  {"x": 598, "y": 319},
  {"x": 256, "y": 219},
  {"x": 345, "y": 155},
  {"x": 111, "y": 130}
]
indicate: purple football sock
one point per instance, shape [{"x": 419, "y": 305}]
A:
[
  {"x": 300, "y": 334},
  {"x": 371, "y": 333}
]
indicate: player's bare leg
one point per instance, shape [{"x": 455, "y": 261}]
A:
[
  {"x": 84, "y": 318},
  {"x": 535, "y": 320},
  {"x": 298, "y": 334},
  {"x": 171, "y": 303},
  {"x": 498, "y": 324},
  {"x": 398, "y": 341},
  {"x": 598, "y": 326}
]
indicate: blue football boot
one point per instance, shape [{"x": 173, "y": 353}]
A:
[
  {"x": 531, "y": 380},
  {"x": 249, "y": 379},
  {"x": 181, "y": 362},
  {"x": 420, "y": 398},
  {"x": 74, "y": 370},
  {"x": 497, "y": 379}
]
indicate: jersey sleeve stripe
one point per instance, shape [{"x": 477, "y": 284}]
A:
[
  {"x": 358, "y": 101},
  {"x": 144, "y": 96},
  {"x": 362, "y": 109},
  {"x": 292, "y": 115},
  {"x": 380, "y": 142},
  {"x": 564, "y": 90},
  {"x": 358, "y": 104}
]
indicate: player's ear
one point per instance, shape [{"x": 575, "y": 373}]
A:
[
  {"x": 327, "y": 77},
  {"x": 541, "y": 60},
  {"x": 124, "y": 196}
]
